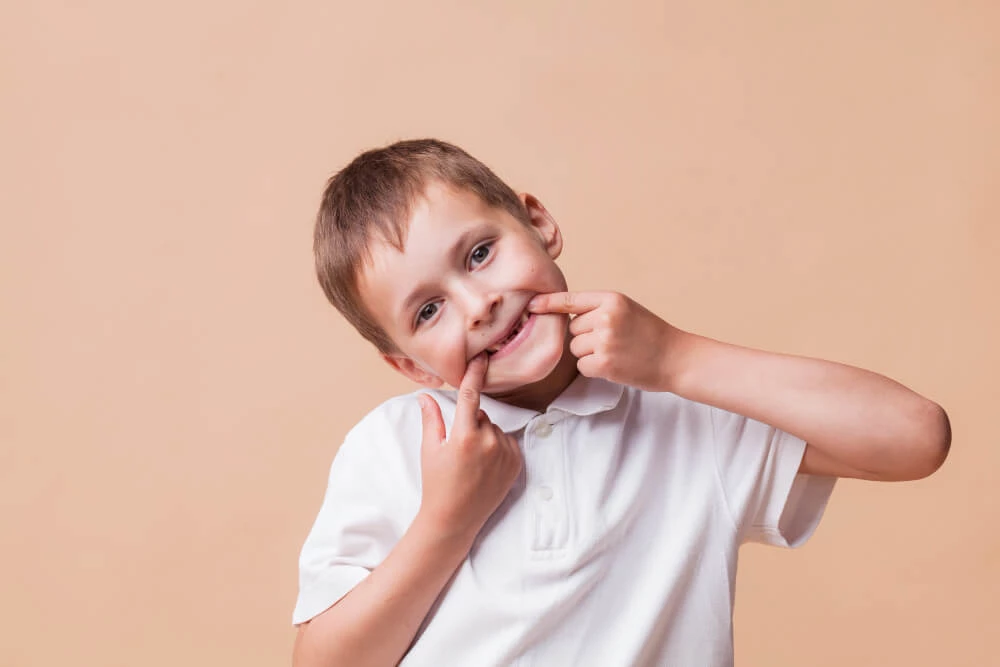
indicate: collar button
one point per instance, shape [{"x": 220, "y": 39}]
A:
[{"x": 543, "y": 429}]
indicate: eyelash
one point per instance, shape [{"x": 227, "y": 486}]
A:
[{"x": 488, "y": 246}]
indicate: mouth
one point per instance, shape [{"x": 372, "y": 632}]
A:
[{"x": 501, "y": 344}]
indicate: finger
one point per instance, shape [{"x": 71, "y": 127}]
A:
[
  {"x": 512, "y": 445},
  {"x": 503, "y": 440},
  {"x": 590, "y": 366},
  {"x": 467, "y": 410},
  {"x": 431, "y": 420},
  {"x": 583, "y": 345},
  {"x": 582, "y": 324},
  {"x": 566, "y": 302},
  {"x": 514, "y": 452}
]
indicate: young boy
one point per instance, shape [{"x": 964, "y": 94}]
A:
[{"x": 580, "y": 500}]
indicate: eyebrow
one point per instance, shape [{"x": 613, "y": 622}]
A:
[{"x": 457, "y": 249}]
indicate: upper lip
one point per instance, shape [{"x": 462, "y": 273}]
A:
[{"x": 506, "y": 331}]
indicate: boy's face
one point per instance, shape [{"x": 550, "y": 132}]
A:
[{"x": 461, "y": 285}]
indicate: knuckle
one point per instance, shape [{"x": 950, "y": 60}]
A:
[
  {"x": 490, "y": 444},
  {"x": 468, "y": 394}
]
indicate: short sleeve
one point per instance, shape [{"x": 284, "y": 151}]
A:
[
  {"x": 371, "y": 498},
  {"x": 769, "y": 500}
]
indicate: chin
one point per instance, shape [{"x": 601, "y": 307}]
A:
[{"x": 533, "y": 364}]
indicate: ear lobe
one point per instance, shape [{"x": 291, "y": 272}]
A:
[
  {"x": 544, "y": 224},
  {"x": 412, "y": 370}
]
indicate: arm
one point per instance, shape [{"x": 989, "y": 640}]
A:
[
  {"x": 376, "y": 621},
  {"x": 464, "y": 479},
  {"x": 856, "y": 423}
]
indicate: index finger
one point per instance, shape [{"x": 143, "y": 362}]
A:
[
  {"x": 574, "y": 303},
  {"x": 467, "y": 408}
]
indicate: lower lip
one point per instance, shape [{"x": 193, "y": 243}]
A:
[{"x": 518, "y": 339}]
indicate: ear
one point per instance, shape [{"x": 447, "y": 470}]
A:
[
  {"x": 413, "y": 370},
  {"x": 544, "y": 224}
]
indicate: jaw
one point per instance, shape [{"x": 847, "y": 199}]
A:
[{"x": 545, "y": 371}]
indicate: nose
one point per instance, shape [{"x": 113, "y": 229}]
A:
[{"x": 480, "y": 306}]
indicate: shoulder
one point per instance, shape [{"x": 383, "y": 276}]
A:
[
  {"x": 659, "y": 411},
  {"x": 392, "y": 427},
  {"x": 391, "y": 414}
]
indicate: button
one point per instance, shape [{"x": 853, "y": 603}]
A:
[
  {"x": 543, "y": 430},
  {"x": 545, "y": 492}
]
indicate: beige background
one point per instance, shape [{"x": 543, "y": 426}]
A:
[{"x": 818, "y": 178}]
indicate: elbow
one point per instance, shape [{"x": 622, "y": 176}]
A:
[{"x": 932, "y": 442}]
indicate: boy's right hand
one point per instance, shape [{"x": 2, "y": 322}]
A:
[{"x": 466, "y": 476}]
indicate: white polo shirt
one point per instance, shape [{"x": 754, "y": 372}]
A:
[{"x": 616, "y": 546}]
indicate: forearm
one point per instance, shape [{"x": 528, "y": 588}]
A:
[
  {"x": 375, "y": 623},
  {"x": 854, "y": 416}
]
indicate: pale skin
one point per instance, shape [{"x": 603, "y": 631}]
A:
[{"x": 856, "y": 423}]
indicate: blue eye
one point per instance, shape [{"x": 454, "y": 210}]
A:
[
  {"x": 427, "y": 312},
  {"x": 480, "y": 253}
]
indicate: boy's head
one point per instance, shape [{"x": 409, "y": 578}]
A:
[{"x": 433, "y": 259}]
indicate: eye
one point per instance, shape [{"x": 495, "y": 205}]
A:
[
  {"x": 427, "y": 312},
  {"x": 480, "y": 253}
]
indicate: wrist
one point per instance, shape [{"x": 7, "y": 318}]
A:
[
  {"x": 441, "y": 533},
  {"x": 676, "y": 360}
]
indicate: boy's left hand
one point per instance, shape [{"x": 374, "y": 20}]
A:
[{"x": 615, "y": 338}]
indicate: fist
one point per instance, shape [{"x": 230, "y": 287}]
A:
[
  {"x": 467, "y": 476},
  {"x": 615, "y": 338}
]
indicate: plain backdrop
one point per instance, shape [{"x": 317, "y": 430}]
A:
[{"x": 812, "y": 177}]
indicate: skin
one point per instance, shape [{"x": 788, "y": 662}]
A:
[
  {"x": 466, "y": 299},
  {"x": 856, "y": 423}
]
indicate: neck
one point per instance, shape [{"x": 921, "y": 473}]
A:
[{"x": 539, "y": 395}]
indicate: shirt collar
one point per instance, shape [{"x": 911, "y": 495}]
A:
[{"x": 584, "y": 396}]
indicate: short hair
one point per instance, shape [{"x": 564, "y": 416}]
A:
[{"x": 371, "y": 198}]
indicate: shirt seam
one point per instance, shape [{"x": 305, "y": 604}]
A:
[{"x": 718, "y": 473}]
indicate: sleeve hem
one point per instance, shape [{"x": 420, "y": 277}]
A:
[
  {"x": 805, "y": 499},
  {"x": 323, "y": 594}
]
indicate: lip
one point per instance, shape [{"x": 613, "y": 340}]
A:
[
  {"x": 506, "y": 332},
  {"x": 518, "y": 339}
]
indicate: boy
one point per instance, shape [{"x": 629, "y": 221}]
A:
[{"x": 580, "y": 500}]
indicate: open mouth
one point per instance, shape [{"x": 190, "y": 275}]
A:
[{"x": 500, "y": 344}]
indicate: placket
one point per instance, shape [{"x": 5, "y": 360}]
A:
[{"x": 548, "y": 515}]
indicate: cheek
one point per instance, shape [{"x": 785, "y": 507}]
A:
[{"x": 446, "y": 352}]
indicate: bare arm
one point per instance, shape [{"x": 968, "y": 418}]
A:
[
  {"x": 857, "y": 423},
  {"x": 464, "y": 479},
  {"x": 377, "y": 620}
]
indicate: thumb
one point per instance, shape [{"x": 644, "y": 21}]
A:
[{"x": 433, "y": 423}]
